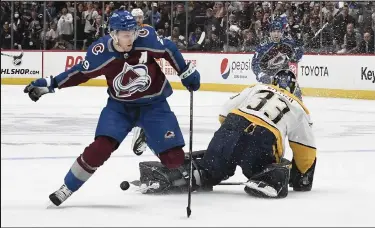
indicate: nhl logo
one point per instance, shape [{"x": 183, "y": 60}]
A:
[{"x": 17, "y": 61}]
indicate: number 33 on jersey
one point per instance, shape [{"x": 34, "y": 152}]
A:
[{"x": 280, "y": 112}]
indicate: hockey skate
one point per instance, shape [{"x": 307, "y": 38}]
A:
[
  {"x": 139, "y": 144},
  {"x": 60, "y": 195}
]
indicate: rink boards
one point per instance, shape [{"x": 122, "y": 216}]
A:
[{"x": 347, "y": 76}]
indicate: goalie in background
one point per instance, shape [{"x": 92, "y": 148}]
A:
[{"x": 255, "y": 124}]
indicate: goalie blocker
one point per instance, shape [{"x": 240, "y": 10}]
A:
[{"x": 234, "y": 144}]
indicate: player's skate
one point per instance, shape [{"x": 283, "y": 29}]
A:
[
  {"x": 60, "y": 195},
  {"x": 139, "y": 141}
]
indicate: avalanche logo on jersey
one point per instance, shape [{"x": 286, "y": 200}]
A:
[
  {"x": 224, "y": 68},
  {"x": 277, "y": 62},
  {"x": 131, "y": 79}
]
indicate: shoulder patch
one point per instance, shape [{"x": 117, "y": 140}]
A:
[
  {"x": 143, "y": 32},
  {"x": 97, "y": 48}
]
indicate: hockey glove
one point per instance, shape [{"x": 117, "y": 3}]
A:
[
  {"x": 39, "y": 87},
  {"x": 190, "y": 77}
]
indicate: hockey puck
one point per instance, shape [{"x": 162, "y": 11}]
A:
[{"x": 124, "y": 185}]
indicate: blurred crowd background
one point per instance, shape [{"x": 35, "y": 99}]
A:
[{"x": 236, "y": 26}]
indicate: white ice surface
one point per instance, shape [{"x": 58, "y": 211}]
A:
[{"x": 40, "y": 141}]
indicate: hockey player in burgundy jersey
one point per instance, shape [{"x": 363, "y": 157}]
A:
[{"x": 137, "y": 91}]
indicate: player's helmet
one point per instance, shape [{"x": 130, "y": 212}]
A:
[
  {"x": 137, "y": 12},
  {"x": 285, "y": 79},
  {"x": 122, "y": 20}
]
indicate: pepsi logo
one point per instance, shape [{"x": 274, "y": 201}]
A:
[{"x": 224, "y": 68}]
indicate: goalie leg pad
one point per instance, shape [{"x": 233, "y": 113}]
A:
[
  {"x": 272, "y": 182},
  {"x": 154, "y": 173}
]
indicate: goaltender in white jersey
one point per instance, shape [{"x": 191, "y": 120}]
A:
[
  {"x": 283, "y": 114},
  {"x": 254, "y": 127}
]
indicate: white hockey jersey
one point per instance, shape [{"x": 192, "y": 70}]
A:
[{"x": 283, "y": 114}]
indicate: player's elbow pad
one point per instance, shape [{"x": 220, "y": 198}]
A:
[
  {"x": 170, "y": 46},
  {"x": 301, "y": 181}
]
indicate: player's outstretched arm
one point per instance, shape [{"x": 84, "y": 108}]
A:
[{"x": 80, "y": 73}]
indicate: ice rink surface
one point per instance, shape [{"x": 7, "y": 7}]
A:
[{"x": 40, "y": 141}]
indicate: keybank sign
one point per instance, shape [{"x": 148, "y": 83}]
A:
[{"x": 367, "y": 74}]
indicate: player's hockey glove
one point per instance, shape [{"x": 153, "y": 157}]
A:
[
  {"x": 301, "y": 181},
  {"x": 190, "y": 77},
  {"x": 39, "y": 87}
]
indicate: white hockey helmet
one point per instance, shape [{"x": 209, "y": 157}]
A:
[{"x": 137, "y": 12}]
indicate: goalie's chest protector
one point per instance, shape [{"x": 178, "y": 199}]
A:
[{"x": 136, "y": 75}]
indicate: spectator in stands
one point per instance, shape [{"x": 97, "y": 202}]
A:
[
  {"x": 366, "y": 46},
  {"x": 80, "y": 26},
  {"x": 177, "y": 35},
  {"x": 208, "y": 22},
  {"x": 195, "y": 36},
  {"x": 35, "y": 29},
  {"x": 153, "y": 16},
  {"x": 179, "y": 19},
  {"x": 6, "y": 36},
  {"x": 51, "y": 12},
  {"x": 340, "y": 24},
  {"x": 100, "y": 30},
  {"x": 250, "y": 42},
  {"x": 234, "y": 39},
  {"x": 65, "y": 25},
  {"x": 351, "y": 40},
  {"x": 89, "y": 15},
  {"x": 52, "y": 36},
  {"x": 70, "y": 7},
  {"x": 256, "y": 29},
  {"x": 5, "y": 12},
  {"x": 293, "y": 31},
  {"x": 214, "y": 44},
  {"x": 62, "y": 45},
  {"x": 160, "y": 33}
]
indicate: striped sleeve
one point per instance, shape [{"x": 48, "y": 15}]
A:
[{"x": 302, "y": 143}]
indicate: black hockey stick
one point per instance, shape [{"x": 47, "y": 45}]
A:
[
  {"x": 188, "y": 209},
  {"x": 232, "y": 183}
]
